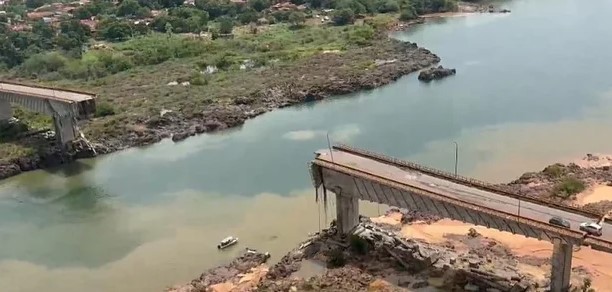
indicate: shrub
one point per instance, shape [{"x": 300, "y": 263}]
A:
[
  {"x": 226, "y": 25},
  {"x": 388, "y": 6},
  {"x": 10, "y": 130},
  {"x": 104, "y": 109},
  {"x": 297, "y": 18},
  {"x": 44, "y": 63},
  {"x": 408, "y": 14},
  {"x": 554, "y": 171},
  {"x": 568, "y": 187},
  {"x": 197, "y": 79},
  {"x": 343, "y": 16},
  {"x": 114, "y": 62},
  {"x": 361, "y": 36},
  {"x": 223, "y": 62}
]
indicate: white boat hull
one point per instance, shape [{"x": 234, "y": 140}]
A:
[{"x": 222, "y": 246}]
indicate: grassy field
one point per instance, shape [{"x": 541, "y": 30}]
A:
[{"x": 141, "y": 69}]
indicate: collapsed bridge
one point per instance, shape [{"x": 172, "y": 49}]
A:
[
  {"x": 65, "y": 106},
  {"x": 355, "y": 174}
]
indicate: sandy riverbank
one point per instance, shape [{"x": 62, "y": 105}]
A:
[
  {"x": 597, "y": 263},
  {"x": 595, "y": 194}
]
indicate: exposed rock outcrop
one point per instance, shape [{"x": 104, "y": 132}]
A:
[
  {"x": 365, "y": 259},
  {"x": 229, "y": 274},
  {"x": 435, "y": 73}
]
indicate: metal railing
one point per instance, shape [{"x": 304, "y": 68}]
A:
[
  {"x": 573, "y": 208},
  {"x": 578, "y": 236}
]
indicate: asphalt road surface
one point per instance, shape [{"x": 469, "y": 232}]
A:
[{"x": 468, "y": 194}]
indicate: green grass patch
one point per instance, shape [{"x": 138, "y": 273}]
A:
[
  {"x": 554, "y": 171},
  {"x": 131, "y": 78},
  {"x": 568, "y": 187}
]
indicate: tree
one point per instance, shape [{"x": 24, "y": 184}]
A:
[
  {"x": 388, "y": 6},
  {"x": 33, "y": 4},
  {"x": 408, "y": 14},
  {"x": 343, "y": 16},
  {"x": 143, "y": 12},
  {"x": 216, "y": 8},
  {"x": 82, "y": 12},
  {"x": 44, "y": 34},
  {"x": 115, "y": 30},
  {"x": 354, "y": 5},
  {"x": 297, "y": 18},
  {"x": 72, "y": 35},
  {"x": 128, "y": 8},
  {"x": 151, "y": 4},
  {"x": 186, "y": 12},
  {"x": 182, "y": 20},
  {"x": 170, "y": 3},
  {"x": 9, "y": 54},
  {"x": 259, "y": 5},
  {"x": 226, "y": 25},
  {"x": 250, "y": 15}
]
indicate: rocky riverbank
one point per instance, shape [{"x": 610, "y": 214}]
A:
[
  {"x": 377, "y": 258},
  {"x": 564, "y": 182},
  {"x": 314, "y": 78}
]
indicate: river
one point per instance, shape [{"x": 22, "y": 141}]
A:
[{"x": 532, "y": 88}]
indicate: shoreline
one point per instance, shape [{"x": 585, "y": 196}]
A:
[
  {"x": 437, "y": 249},
  {"x": 384, "y": 254},
  {"x": 403, "y": 59},
  {"x": 398, "y": 59}
]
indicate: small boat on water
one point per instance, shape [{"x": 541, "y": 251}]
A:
[{"x": 228, "y": 241}]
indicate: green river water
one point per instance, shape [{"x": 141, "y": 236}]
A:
[{"x": 532, "y": 87}]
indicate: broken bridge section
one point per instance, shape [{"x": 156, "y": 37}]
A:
[
  {"x": 353, "y": 175},
  {"x": 65, "y": 106}
]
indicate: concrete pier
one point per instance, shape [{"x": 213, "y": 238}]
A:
[
  {"x": 561, "y": 266},
  {"x": 66, "y": 129},
  {"x": 65, "y": 106},
  {"x": 347, "y": 212},
  {"x": 6, "y": 112}
]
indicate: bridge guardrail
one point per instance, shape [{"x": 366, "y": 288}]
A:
[
  {"x": 466, "y": 181},
  {"x": 45, "y": 87},
  {"x": 589, "y": 241}
]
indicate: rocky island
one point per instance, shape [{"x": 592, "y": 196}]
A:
[{"x": 436, "y": 73}]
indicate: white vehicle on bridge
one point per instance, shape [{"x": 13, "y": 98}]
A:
[{"x": 591, "y": 228}]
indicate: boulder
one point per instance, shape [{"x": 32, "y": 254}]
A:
[
  {"x": 9, "y": 169},
  {"x": 435, "y": 73}
]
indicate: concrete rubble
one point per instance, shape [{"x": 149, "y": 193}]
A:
[{"x": 376, "y": 258}]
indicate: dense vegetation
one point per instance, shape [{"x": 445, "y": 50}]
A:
[
  {"x": 136, "y": 51},
  {"x": 146, "y": 64},
  {"x": 46, "y": 49}
]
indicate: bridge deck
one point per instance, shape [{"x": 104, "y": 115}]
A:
[
  {"x": 68, "y": 96},
  {"x": 50, "y": 101},
  {"x": 410, "y": 177}
]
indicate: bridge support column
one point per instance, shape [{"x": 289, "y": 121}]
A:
[
  {"x": 561, "y": 266},
  {"x": 65, "y": 129},
  {"x": 6, "y": 112},
  {"x": 347, "y": 212}
]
